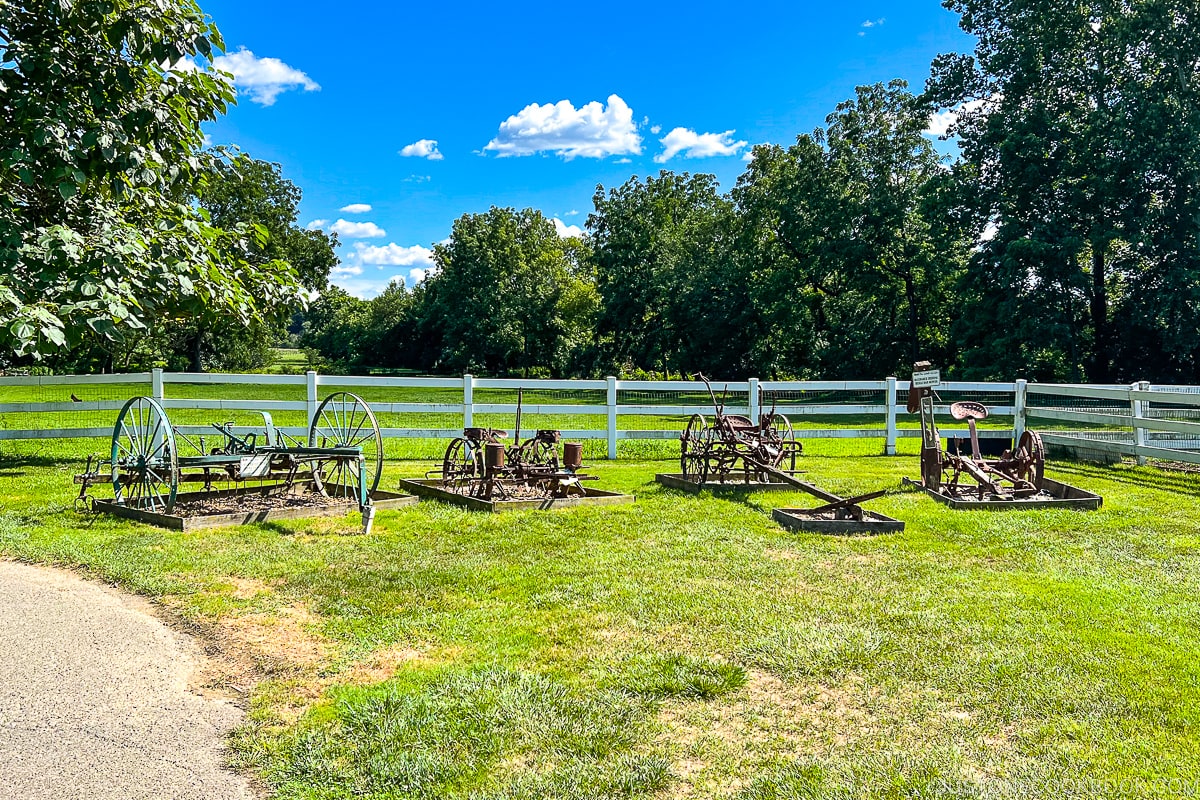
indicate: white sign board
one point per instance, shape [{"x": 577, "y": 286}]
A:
[
  {"x": 923, "y": 380},
  {"x": 257, "y": 466}
]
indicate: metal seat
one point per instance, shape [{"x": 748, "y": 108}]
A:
[{"x": 965, "y": 409}]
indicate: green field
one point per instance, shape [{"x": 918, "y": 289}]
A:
[{"x": 685, "y": 646}]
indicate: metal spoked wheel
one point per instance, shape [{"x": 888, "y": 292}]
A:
[
  {"x": 345, "y": 420},
  {"x": 787, "y": 441},
  {"x": 462, "y": 466},
  {"x": 1032, "y": 454},
  {"x": 145, "y": 464},
  {"x": 693, "y": 449}
]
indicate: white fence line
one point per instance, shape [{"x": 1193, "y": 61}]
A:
[
  {"x": 1149, "y": 435},
  {"x": 1139, "y": 420}
]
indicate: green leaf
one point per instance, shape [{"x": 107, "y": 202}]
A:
[{"x": 67, "y": 189}]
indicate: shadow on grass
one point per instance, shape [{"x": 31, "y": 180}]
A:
[
  {"x": 1144, "y": 477},
  {"x": 12, "y": 465}
]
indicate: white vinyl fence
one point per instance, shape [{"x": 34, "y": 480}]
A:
[{"x": 1107, "y": 419}]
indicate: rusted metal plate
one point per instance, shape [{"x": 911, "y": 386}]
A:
[
  {"x": 1062, "y": 495},
  {"x": 592, "y": 497},
  {"x": 676, "y": 480},
  {"x": 802, "y": 519},
  {"x": 380, "y": 499}
]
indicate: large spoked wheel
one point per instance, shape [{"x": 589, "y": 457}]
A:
[
  {"x": 1032, "y": 454},
  {"x": 145, "y": 464},
  {"x": 462, "y": 466},
  {"x": 786, "y": 437},
  {"x": 693, "y": 449},
  {"x": 344, "y": 420}
]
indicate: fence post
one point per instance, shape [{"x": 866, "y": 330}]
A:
[
  {"x": 468, "y": 401},
  {"x": 889, "y": 400},
  {"x": 156, "y": 384},
  {"x": 755, "y": 405},
  {"x": 1020, "y": 399},
  {"x": 310, "y": 380},
  {"x": 612, "y": 418},
  {"x": 1138, "y": 409}
]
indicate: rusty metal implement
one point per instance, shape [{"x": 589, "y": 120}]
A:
[
  {"x": 733, "y": 448},
  {"x": 1017, "y": 475},
  {"x": 478, "y": 464}
]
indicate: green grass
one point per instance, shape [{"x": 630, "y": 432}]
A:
[{"x": 686, "y": 646}]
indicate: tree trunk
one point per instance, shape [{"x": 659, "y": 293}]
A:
[
  {"x": 197, "y": 365},
  {"x": 1101, "y": 346},
  {"x": 910, "y": 293}
]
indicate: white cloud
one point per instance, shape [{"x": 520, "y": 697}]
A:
[
  {"x": 392, "y": 255},
  {"x": 263, "y": 79},
  {"x": 367, "y": 269},
  {"x": 422, "y": 148},
  {"x": 942, "y": 123},
  {"x": 357, "y": 230},
  {"x": 623, "y": 161},
  {"x": 874, "y": 23},
  {"x": 566, "y": 231},
  {"x": 418, "y": 179},
  {"x": 697, "y": 145},
  {"x": 355, "y": 208},
  {"x": 316, "y": 224},
  {"x": 572, "y": 213},
  {"x": 591, "y": 131},
  {"x": 656, "y": 129}
]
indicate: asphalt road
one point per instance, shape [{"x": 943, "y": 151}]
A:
[{"x": 94, "y": 698}]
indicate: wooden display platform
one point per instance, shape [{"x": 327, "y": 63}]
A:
[
  {"x": 1063, "y": 495},
  {"x": 675, "y": 480},
  {"x": 433, "y": 489},
  {"x": 181, "y": 522},
  {"x": 801, "y": 519}
]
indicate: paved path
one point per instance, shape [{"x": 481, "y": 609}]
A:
[{"x": 94, "y": 698}]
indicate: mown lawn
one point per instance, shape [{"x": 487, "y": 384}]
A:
[{"x": 688, "y": 646}]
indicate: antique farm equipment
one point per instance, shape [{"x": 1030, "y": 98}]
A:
[
  {"x": 478, "y": 464},
  {"x": 151, "y": 458},
  {"x": 733, "y": 444},
  {"x": 765, "y": 454},
  {"x": 1015, "y": 479}
]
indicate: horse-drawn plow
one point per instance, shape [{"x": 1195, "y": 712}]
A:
[{"x": 733, "y": 453}]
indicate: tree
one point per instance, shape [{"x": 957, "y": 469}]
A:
[
  {"x": 662, "y": 252},
  {"x": 494, "y": 304},
  {"x": 240, "y": 192},
  {"x": 1082, "y": 125},
  {"x": 99, "y": 149},
  {"x": 855, "y": 255}
]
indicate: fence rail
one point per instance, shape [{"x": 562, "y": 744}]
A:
[{"x": 1140, "y": 420}]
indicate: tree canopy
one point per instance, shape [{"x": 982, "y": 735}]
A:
[
  {"x": 1080, "y": 126},
  {"x": 100, "y": 157}
]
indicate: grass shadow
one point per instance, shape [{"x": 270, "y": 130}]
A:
[{"x": 1145, "y": 477}]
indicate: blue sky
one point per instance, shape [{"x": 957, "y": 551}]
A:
[{"x": 536, "y": 104}]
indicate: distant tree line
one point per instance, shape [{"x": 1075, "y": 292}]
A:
[{"x": 1061, "y": 243}]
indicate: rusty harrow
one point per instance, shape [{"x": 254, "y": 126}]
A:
[{"x": 733, "y": 445}]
